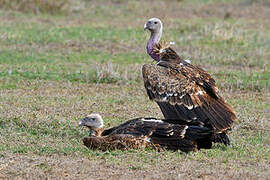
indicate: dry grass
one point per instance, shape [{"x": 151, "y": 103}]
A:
[
  {"x": 36, "y": 6},
  {"x": 55, "y": 69}
]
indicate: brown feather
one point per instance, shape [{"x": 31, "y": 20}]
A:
[
  {"x": 117, "y": 141},
  {"x": 183, "y": 90},
  {"x": 149, "y": 132}
]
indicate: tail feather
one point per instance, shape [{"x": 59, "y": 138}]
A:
[
  {"x": 184, "y": 145},
  {"x": 202, "y": 135},
  {"x": 197, "y": 132},
  {"x": 220, "y": 115},
  {"x": 194, "y": 137},
  {"x": 214, "y": 113},
  {"x": 221, "y": 138}
]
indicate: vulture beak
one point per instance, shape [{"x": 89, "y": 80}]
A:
[
  {"x": 81, "y": 124},
  {"x": 146, "y": 25}
]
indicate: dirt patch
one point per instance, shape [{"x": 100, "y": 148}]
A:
[{"x": 29, "y": 166}]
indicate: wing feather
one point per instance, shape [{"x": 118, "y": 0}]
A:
[{"x": 186, "y": 93}]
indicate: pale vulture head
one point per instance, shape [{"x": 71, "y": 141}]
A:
[
  {"x": 92, "y": 121},
  {"x": 154, "y": 25}
]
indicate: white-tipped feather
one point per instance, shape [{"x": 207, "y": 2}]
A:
[
  {"x": 183, "y": 132},
  {"x": 189, "y": 107},
  {"x": 188, "y": 61},
  {"x": 152, "y": 120},
  {"x": 199, "y": 93}
]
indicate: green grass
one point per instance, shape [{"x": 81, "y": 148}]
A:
[
  {"x": 57, "y": 67},
  {"x": 54, "y": 34},
  {"x": 37, "y": 6}
]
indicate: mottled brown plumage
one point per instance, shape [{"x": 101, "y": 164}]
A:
[
  {"x": 116, "y": 141},
  {"x": 186, "y": 93},
  {"x": 146, "y": 132}
]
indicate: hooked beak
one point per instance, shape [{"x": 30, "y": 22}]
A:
[
  {"x": 81, "y": 124},
  {"x": 145, "y": 26}
]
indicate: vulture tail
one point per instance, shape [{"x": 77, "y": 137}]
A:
[
  {"x": 175, "y": 143},
  {"x": 201, "y": 135},
  {"x": 197, "y": 132},
  {"x": 221, "y": 138}
]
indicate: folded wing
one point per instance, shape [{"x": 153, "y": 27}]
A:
[
  {"x": 151, "y": 132},
  {"x": 186, "y": 94}
]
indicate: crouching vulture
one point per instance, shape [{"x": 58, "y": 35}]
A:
[{"x": 145, "y": 132}]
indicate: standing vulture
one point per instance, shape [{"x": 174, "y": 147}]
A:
[
  {"x": 145, "y": 132},
  {"x": 186, "y": 94}
]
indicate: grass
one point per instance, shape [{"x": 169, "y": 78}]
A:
[
  {"x": 56, "y": 67},
  {"x": 36, "y": 6}
]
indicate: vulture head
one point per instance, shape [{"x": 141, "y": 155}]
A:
[
  {"x": 154, "y": 25},
  {"x": 94, "y": 122}
]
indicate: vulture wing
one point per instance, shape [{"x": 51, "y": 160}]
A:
[
  {"x": 186, "y": 94},
  {"x": 151, "y": 132},
  {"x": 164, "y": 134},
  {"x": 144, "y": 127}
]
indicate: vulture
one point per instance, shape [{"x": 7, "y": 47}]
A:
[
  {"x": 145, "y": 132},
  {"x": 185, "y": 93}
]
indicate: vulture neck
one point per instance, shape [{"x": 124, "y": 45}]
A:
[
  {"x": 154, "y": 39},
  {"x": 96, "y": 131}
]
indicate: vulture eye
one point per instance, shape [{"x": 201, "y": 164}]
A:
[{"x": 155, "y": 22}]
